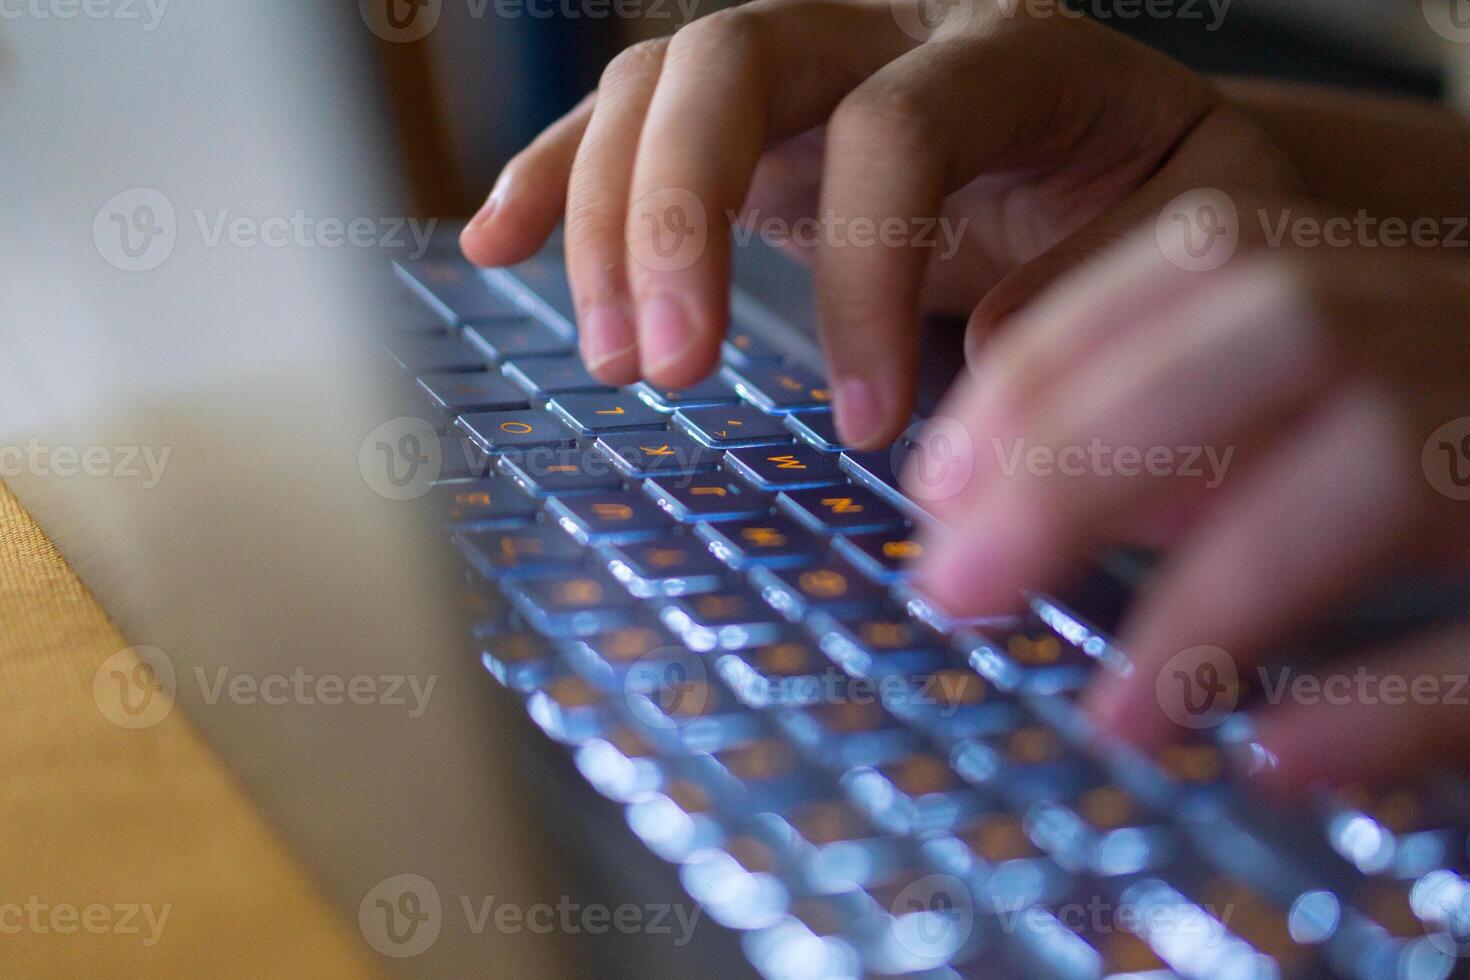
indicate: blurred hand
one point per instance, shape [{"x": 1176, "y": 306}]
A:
[
  {"x": 1037, "y": 139},
  {"x": 1322, "y": 396}
]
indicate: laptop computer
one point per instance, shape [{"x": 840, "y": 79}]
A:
[{"x": 702, "y": 724}]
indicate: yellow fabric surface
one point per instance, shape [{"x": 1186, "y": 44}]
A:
[{"x": 128, "y": 853}]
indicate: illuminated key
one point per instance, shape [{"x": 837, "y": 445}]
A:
[
  {"x": 787, "y": 672},
  {"x": 546, "y": 377},
  {"x": 731, "y": 427},
  {"x": 560, "y": 471},
  {"x": 571, "y": 604},
  {"x": 458, "y": 290},
  {"x": 494, "y": 500},
  {"x": 711, "y": 391},
  {"x": 784, "y": 467},
  {"x": 913, "y": 793},
  {"x": 496, "y": 432},
  {"x": 539, "y": 547},
  {"x": 461, "y": 459},
  {"x": 707, "y": 497},
  {"x": 845, "y": 509},
  {"x": 829, "y": 586},
  {"x": 1031, "y": 657},
  {"x": 743, "y": 347},
  {"x": 780, "y": 387},
  {"x": 764, "y": 541},
  {"x": 593, "y": 414},
  {"x": 878, "y": 644},
  {"x": 622, "y": 516},
  {"x": 478, "y": 391},
  {"x": 657, "y": 454},
  {"x": 885, "y": 555},
  {"x": 818, "y": 429},
  {"x": 850, "y": 727},
  {"x": 670, "y": 565},
  {"x": 423, "y": 353},
  {"x": 520, "y": 661},
  {"x": 730, "y": 619},
  {"x": 526, "y": 338}
]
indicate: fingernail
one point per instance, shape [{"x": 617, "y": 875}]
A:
[
  {"x": 610, "y": 334},
  {"x": 858, "y": 409},
  {"x": 665, "y": 331},
  {"x": 492, "y": 203}
]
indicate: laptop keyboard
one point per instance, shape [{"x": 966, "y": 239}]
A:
[{"x": 706, "y": 599}]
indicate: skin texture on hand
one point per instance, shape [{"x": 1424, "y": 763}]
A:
[
  {"x": 1324, "y": 377},
  {"x": 1035, "y": 141}
]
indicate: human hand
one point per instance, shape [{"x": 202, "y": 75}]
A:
[
  {"x": 1051, "y": 135},
  {"x": 1331, "y": 382}
]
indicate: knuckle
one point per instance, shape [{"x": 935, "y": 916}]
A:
[
  {"x": 634, "y": 63},
  {"x": 737, "y": 31},
  {"x": 886, "y": 113}
]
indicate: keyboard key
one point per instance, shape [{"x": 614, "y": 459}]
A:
[
  {"x": 878, "y": 470},
  {"x": 913, "y": 793},
  {"x": 787, "y": 672},
  {"x": 495, "y": 432},
  {"x": 817, "y": 429},
  {"x": 879, "y": 644},
  {"x": 423, "y": 352},
  {"x": 540, "y": 547},
  {"x": 494, "y": 500},
  {"x": 526, "y": 338},
  {"x": 458, "y": 290},
  {"x": 849, "y": 728},
  {"x": 829, "y": 586},
  {"x": 520, "y": 661},
  {"x": 562, "y": 605},
  {"x": 657, "y": 454},
  {"x": 780, "y": 388},
  {"x": 1101, "y": 829},
  {"x": 620, "y": 516},
  {"x": 605, "y": 657},
  {"x": 846, "y": 509},
  {"x": 565, "y": 471},
  {"x": 728, "y": 619},
  {"x": 543, "y": 282},
  {"x": 884, "y": 555},
  {"x": 764, "y": 541},
  {"x": 461, "y": 459},
  {"x": 402, "y": 310},
  {"x": 731, "y": 427},
  {"x": 595, "y": 414},
  {"x": 1028, "y": 657},
  {"x": 711, "y": 391},
  {"x": 784, "y": 467},
  {"x": 711, "y": 497},
  {"x": 479, "y": 391},
  {"x": 570, "y": 710},
  {"x": 745, "y": 348},
  {"x": 548, "y": 376},
  {"x": 671, "y": 565}
]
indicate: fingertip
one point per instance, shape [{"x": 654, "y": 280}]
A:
[
  {"x": 610, "y": 344},
  {"x": 674, "y": 350}
]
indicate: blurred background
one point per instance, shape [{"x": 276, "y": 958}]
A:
[{"x": 492, "y": 73}]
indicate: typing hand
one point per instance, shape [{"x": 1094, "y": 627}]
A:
[
  {"x": 1292, "y": 425},
  {"x": 1037, "y": 139}
]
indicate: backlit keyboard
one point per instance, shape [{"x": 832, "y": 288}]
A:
[{"x": 706, "y": 599}]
